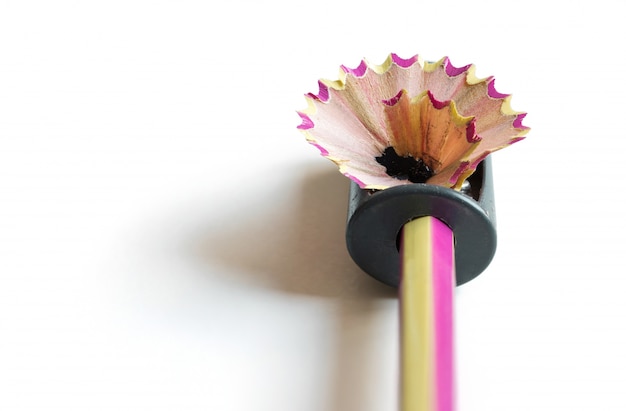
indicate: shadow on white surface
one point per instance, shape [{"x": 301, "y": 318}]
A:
[{"x": 294, "y": 243}]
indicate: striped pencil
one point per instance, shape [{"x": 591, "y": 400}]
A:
[{"x": 426, "y": 316}]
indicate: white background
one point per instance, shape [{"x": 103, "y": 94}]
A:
[{"x": 168, "y": 241}]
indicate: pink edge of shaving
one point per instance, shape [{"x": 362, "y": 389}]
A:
[
  {"x": 307, "y": 123},
  {"x": 492, "y": 92},
  {"x": 517, "y": 123},
  {"x": 322, "y": 95},
  {"x": 356, "y": 180},
  {"x": 464, "y": 166},
  {"x": 470, "y": 132},
  {"x": 404, "y": 63},
  {"x": 476, "y": 162},
  {"x": 516, "y": 139},
  {"x": 444, "y": 281},
  {"x": 358, "y": 71},
  {"x": 454, "y": 71},
  {"x": 436, "y": 103},
  {"x": 322, "y": 150},
  {"x": 394, "y": 100}
]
